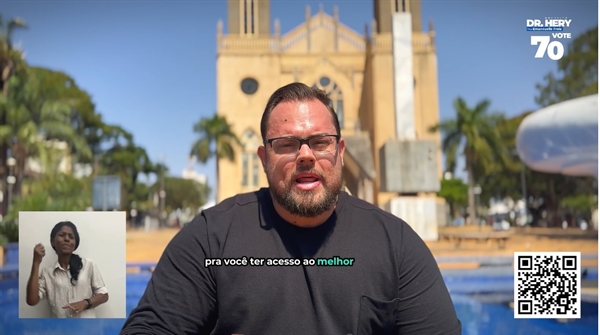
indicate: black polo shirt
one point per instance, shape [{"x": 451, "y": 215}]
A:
[{"x": 364, "y": 271}]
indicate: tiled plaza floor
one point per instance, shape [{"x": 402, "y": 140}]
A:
[{"x": 148, "y": 246}]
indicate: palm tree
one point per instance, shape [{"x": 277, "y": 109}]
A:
[
  {"x": 215, "y": 139},
  {"x": 10, "y": 61},
  {"x": 32, "y": 121},
  {"x": 126, "y": 160},
  {"x": 475, "y": 129},
  {"x": 58, "y": 86},
  {"x": 9, "y": 57}
]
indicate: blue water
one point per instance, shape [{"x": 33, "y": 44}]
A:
[
  {"x": 491, "y": 314},
  {"x": 482, "y": 313}
]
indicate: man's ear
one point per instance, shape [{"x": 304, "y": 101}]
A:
[
  {"x": 342, "y": 149},
  {"x": 262, "y": 154}
]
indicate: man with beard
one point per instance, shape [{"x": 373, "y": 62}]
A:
[{"x": 317, "y": 260}]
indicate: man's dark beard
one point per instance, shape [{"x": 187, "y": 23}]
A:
[{"x": 305, "y": 207}]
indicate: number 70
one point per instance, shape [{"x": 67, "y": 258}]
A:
[{"x": 554, "y": 49}]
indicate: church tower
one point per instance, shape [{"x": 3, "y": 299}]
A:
[
  {"x": 253, "y": 61},
  {"x": 360, "y": 73},
  {"x": 401, "y": 73},
  {"x": 383, "y": 8},
  {"x": 381, "y": 82},
  {"x": 248, "y": 17},
  {"x": 247, "y": 71}
]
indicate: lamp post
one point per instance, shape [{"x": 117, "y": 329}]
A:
[
  {"x": 523, "y": 186},
  {"x": 162, "y": 194},
  {"x": 477, "y": 192},
  {"x": 133, "y": 214},
  {"x": 10, "y": 162},
  {"x": 524, "y": 192}
]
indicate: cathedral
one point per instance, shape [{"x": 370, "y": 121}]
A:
[{"x": 254, "y": 58}]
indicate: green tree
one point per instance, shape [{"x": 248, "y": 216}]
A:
[
  {"x": 577, "y": 72},
  {"x": 502, "y": 177},
  {"x": 215, "y": 139},
  {"x": 32, "y": 121},
  {"x": 183, "y": 193},
  {"x": 9, "y": 56},
  {"x": 38, "y": 106},
  {"x": 454, "y": 191},
  {"x": 127, "y": 160},
  {"x": 11, "y": 62},
  {"x": 577, "y": 76},
  {"x": 62, "y": 192},
  {"x": 86, "y": 122},
  {"x": 474, "y": 129},
  {"x": 582, "y": 202},
  {"x": 53, "y": 190}
]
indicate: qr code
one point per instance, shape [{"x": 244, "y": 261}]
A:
[{"x": 547, "y": 285}]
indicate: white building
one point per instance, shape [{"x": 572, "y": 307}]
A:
[
  {"x": 190, "y": 173},
  {"x": 193, "y": 175}
]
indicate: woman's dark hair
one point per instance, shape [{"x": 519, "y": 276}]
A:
[{"x": 75, "y": 263}]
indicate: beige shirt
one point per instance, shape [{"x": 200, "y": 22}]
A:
[{"x": 55, "y": 284}]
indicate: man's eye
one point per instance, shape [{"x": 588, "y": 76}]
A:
[{"x": 286, "y": 144}]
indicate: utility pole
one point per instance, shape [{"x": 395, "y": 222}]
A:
[
  {"x": 162, "y": 193},
  {"x": 515, "y": 153},
  {"x": 10, "y": 181},
  {"x": 524, "y": 192}
]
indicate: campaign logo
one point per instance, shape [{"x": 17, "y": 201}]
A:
[
  {"x": 554, "y": 48},
  {"x": 548, "y": 24}
]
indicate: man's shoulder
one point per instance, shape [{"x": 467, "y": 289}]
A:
[
  {"x": 237, "y": 201},
  {"x": 362, "y": 209},
  {"x": 243, "y": 205}
]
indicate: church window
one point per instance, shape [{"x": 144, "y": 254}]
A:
[
  {"x": 244, "y": 169},
  {"x": 335, "y": 94},
  {"x": 249, "y": 13},
  {"x": 255, "y": 170},
  {"x": 250, "y": 160},
  {"x": 249, "y": 86},
  {"x": 252, "y": 15},
  {"x": 245, "y": 16}
]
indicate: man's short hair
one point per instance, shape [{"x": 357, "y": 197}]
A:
[{"x": 296, "y": 92}]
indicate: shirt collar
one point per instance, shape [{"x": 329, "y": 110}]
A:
[{"x": 57, "y": 266}]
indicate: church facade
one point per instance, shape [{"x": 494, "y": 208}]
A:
[{"x": 356, "y": 69}]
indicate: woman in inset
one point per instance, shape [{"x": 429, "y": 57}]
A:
[{"x": 73, "y": 286}]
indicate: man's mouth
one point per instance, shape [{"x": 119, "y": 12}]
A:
[{"x": 307, "y": 181}]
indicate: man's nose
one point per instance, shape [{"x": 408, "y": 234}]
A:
[{"x": 305, "y": 155}]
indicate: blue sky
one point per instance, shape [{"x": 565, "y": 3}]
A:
[{"x": 150, "y": 65}]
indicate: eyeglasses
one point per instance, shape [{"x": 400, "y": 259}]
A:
[{"x": 319, "y": 144}]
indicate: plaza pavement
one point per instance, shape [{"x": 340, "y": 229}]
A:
[
  {"x": 148, "y": 246},
  {"x": 471, "y": 258}
]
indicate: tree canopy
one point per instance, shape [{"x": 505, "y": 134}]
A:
[
  {"x": 46, "y": 118},
  {"x": 577, "y": 72},
  {"x": 490, "y": 148}
]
